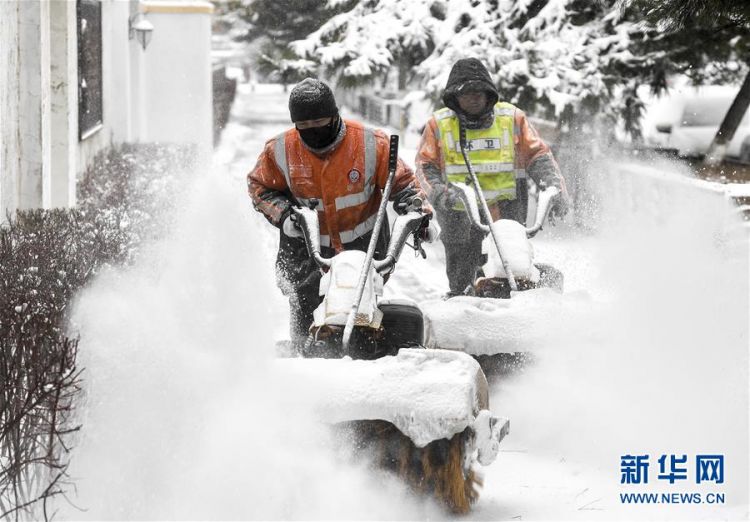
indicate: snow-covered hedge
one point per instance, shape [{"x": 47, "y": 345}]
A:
[{"x": 46, "y": 256}]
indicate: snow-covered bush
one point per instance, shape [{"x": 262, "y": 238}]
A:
[
  {"x": 46, "y": 256},
  {"x": 137, "y": 185}
]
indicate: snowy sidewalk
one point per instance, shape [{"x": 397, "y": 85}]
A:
[{"x": 574, "y": 413}]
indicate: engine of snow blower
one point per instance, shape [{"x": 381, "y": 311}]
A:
[{"x": 401, "y": 326}]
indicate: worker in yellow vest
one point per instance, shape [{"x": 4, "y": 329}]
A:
[{"x": 504, "y": 150}]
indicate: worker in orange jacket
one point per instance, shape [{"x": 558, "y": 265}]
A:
[
  {"x": 341, "y": 167},
  {"x": 505, "y": 150}
]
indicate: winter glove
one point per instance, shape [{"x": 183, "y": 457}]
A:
[
  {"x": 290, "y": 228},
  {"x": 560, "y": 207},
  {"x": 448, "y": 199},
  {"x": 404, "y": 201}
]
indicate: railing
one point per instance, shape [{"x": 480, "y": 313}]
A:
[
  {"x": 381, "y": 110},
  {"x": 657, "y": 189}
]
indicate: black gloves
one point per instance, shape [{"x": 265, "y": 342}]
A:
[
  {"x": 403, "y": 202},
  {"x": 560, "y": 207},
  {"x": 448, "y": 199}
]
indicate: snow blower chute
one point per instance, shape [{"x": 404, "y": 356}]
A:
[{"x": 421, "y": 413}]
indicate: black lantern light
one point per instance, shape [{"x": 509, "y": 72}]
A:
[{"x": 141, "y": 29}]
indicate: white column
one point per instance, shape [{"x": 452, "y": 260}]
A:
[
  {"x": 34, "y": 90},
  {"x": 64, "y": 102},
  {"x": 9, "y": 118},
  {"x": 178, "y": 74},
  {"x": 136, "y": 83},
  {"x": 118, "y": 63}
]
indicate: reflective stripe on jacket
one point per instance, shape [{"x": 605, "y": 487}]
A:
[
  {"x": 531, "y": 156},
  {"x": 346, "y": 182},
  {"x": 491, "y": 152}
]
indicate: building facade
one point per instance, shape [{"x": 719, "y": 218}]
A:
[{"x": 76, "y": 78}]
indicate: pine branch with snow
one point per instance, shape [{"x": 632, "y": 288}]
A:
[{"x": 571, "y": 61}]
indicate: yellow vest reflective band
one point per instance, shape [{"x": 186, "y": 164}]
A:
[{"x": 491, "y": 152}]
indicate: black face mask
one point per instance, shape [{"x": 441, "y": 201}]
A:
[
  {"x": 477, "y": 121},
  {"x": 321, "y": 137}
]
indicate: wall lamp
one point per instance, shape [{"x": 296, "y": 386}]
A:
[{"x": 141, "y": 29}]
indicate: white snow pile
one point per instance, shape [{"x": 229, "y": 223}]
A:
[
  {"x": 427, "y": 394},
  {"x": 340, "y": 292},
  {"x": 516, "y": 247},
  {"x": 484, "y": 326}
]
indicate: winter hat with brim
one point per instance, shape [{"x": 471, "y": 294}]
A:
[
  {"x": 311, "y": 99},
  {"x": 468, "y": 75}
]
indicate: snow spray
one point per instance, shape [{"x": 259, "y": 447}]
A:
[
  {"x": 184, "y": 418},
  {"x": 654, "y": 363}
]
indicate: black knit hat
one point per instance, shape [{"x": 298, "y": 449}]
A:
[{"x": 311, "y": 99}]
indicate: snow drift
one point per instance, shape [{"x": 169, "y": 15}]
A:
[{"x": 186, "y": 418}]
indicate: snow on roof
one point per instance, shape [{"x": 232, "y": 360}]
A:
[
  {"x": 177, "y": 6},
  {"x": 427, "y": 394}
]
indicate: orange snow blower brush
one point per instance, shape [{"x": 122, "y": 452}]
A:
[
  {"x": 420, "y": 414},
  {"x": 438, "y": 470}
]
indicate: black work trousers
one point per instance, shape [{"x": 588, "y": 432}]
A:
[{"x": 463, "y": 241}]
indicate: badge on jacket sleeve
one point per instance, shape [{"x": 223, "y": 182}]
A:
[{"x": 354, "y": 175}]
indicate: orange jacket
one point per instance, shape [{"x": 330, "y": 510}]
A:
[
  {"x": 531, "y": 155},
  {"x": 345, "y": 181}
]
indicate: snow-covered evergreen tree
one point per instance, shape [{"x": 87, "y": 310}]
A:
[
  {"x": 554, "y": 57},
  {"x": 568, "y": 60},
  {"x": 272, "y": 25},
  {"x": 373, "y": 38}
]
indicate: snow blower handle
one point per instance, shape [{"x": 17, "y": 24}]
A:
[
  {"x": 486, "y": 210},
  {"x": 307, "y": 220},
  {"x": 365, "y": 272},
  {"x": 544, "y": 205},
  {"x": 393, "y": 154}
]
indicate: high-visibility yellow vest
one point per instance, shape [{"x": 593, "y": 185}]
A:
[{"x": 491, "y": 152}]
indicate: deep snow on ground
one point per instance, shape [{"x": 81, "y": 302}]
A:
[{"x": 185, "y": 418}]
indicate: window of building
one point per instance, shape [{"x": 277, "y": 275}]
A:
[{"x": 90, "y": 107}]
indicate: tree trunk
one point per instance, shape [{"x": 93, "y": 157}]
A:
[
  {"x": 384, "y": 83},
  {"x": 728, "y": 127},
  {"x": 403, "y": 71}
]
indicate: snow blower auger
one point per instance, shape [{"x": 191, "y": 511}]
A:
[
  {"x": 497, "y": 331},
  {"x": 422, "y": 414}
]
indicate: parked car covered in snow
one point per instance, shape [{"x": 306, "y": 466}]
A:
[{"x": 685, "y": 122}]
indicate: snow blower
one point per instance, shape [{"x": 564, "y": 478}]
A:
[
  {"x": 420, "y": 413},
  {"x": 520, "y": 291}
]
